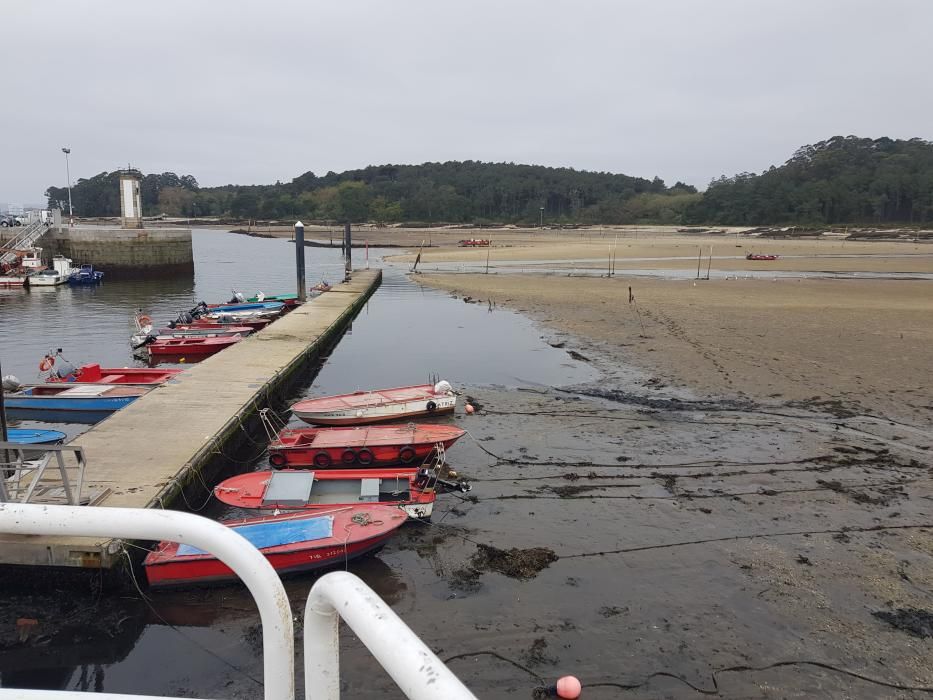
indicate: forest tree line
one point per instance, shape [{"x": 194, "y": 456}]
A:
[{"x": 841, "y": 180}]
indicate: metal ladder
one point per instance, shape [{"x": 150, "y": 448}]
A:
[{"x": 25, "y": 240}]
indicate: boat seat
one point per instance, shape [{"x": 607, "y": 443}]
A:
[
  {"x": 369, "y": 490},
  {"x": 289, "y": 489},
  {"x": 107, "y": 380}
]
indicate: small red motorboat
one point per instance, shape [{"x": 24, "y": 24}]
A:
[
  {"x": 192, "y": 346},
  {"x": 474, "y": 243},
  {"x": 365, "y": 446},
  {"x": 758, "y": 256},
  {"x": 254, "y": 323},
  {"x": 95, "y": 374},
  {"x": 380, "y": 405},
  {"x": 291, "y": 489},
  {"x": 291, "y": 542}
]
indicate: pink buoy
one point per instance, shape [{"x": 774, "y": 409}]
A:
[
  {"x": 469, "y": 409},
  {"x": 569, "y": 687}
]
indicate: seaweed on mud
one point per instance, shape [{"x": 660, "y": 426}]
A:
[
  {"x": 536, "y": 656},
  {"x": 577, "y": 356},
  {"x": 668, "y": 404},
  {"x": 475, "y": 404},
  {"x": 885, "y": 497},
  {"x": 914, "y": 621},
  {"x": 514, "y": 563},
  {"x": 834, "y": 407},
  {"x": 570, "y": 491},
  {"x": 612, "y": 610}
]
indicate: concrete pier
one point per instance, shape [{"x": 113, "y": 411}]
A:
[
  {"x": 124, "y": 253},
  {"x": 146, "y": 455}
]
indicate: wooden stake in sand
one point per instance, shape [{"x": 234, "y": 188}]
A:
[
  {"x": 710, "y": 263},
  {"x": 487, "y": 256},
  {"x": 418, "y": 258},
  {"x": 699, "y": 259}
]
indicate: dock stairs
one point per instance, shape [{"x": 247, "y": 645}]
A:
[{"x": 24, "y": 241}]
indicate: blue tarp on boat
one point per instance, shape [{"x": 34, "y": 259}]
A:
[
  {"x": 26, "y": 436},
  {"x": 275, "y": 533}
]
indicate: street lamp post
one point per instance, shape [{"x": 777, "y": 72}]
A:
[
  {"x": 541, "y": 221},
  {"x": 71, "y": 211}
]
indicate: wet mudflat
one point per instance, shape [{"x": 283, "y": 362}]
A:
[{"x": 652, "y": 542}]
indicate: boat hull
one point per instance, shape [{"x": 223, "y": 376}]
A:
[
  {"x": 375, "y": 415},
  {"x": 192, "y": 346},
  {"x": 355, "y": 531},
  {"x": 106, "y": 404},
  {"x": 47, "y": 280}
]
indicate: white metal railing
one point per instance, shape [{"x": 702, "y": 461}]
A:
[
  {"x": 24, "y": 479},
  {"x": 414, "y": 667},
  {"x": 29, "y": 235}
]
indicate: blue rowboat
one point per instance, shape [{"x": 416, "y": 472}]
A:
[
  {"x": 97, "y": 399},
  {"x": 27, "y": 436}
]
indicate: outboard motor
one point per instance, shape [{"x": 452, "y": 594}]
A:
[
  {"x": 11, "y": 383},
  {"x": 238, "y": 298},
  {"x": 63, "y": 368}
]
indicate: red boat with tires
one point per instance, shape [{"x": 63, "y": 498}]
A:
[
  {"x": 291, "y": 542},
  {"x": 299, "y": 489},
  {"x": 371, "y": 445}
]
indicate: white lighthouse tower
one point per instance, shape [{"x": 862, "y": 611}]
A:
[{"x": 131, "y": 200}]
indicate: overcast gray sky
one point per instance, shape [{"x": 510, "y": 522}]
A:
[{"x": 253, "y": 92}]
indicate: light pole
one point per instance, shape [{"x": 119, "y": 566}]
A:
[
  {"x": 541, "y": 221},
  {"x": 71, "y": 211}
]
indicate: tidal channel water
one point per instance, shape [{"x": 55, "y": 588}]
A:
[{"x": 188, "y": 642}]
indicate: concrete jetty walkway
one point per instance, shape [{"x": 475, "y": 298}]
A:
[{"x": 144, "y": 455}]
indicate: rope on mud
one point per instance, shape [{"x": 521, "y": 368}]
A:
[
  {"x": 499, "y": 656},
  {"x": 715, "y": 690},
  {"x": 733, "y": 538},
  {"x": 193, "y": 641}
]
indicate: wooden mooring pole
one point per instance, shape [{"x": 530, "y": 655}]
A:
[{"x": 300, "y": 260}]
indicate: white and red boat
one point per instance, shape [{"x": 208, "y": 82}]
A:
[
  {"x": 191, "y": 346},
  {"x": 291, "y": 542},
  {"x": 760, "y": 256},
  {"x": 379, "y": 405},
  {"x": 365, "y": 446},
  {"x": 18, "y": 271},
  {"x": 296, "y": 489}
]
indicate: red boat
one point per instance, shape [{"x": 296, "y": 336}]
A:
[
  {"x": 380, "y": 405},
  {"x": 475, "y": 243},
  {"x": 192, "y": 346},
  {"x": 291, "y": 489},
  {"x": 254, "y": 323},
  {"x": 291, "y": 543},
  {"x": 365, "y": 446},
  {"x": 757, "y": 256},
  {"x": 95, "y": 374}
]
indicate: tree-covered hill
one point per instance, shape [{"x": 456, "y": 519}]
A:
[
  {"x": 843, "y": 180},
  {"x": 453, "y": 192}
]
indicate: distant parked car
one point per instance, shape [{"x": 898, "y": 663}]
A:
[{"x": 7, "y": 220}]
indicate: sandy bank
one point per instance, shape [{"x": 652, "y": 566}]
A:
[{"x": 867, "y": 344}]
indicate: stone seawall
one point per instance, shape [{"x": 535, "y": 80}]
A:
[{"x": 123, "y": 253}]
